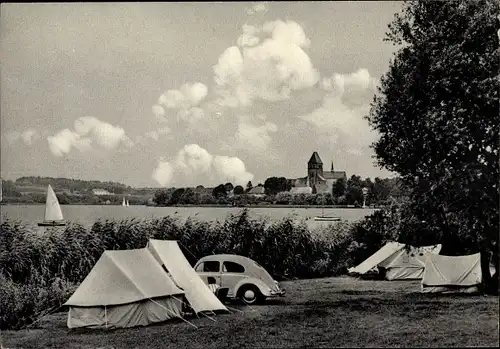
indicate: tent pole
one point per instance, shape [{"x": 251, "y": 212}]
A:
[
  {"x": 106, "y": 316},
  {"x": 211, "y": 318},
  {"x": 241, "y": 311}
]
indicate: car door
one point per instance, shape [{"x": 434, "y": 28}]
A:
[
  {"x": 209, "y": 272},
  {"x": 232, "y": 273}
]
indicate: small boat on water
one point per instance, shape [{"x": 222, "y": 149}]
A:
[
  {"x": 324, "y": 218},
  {"x": 327, "y": 218},
  {"x": 127, "y": 204},
  {"x": 124, "y": 203},
  {"x": 53, "y": 213}
]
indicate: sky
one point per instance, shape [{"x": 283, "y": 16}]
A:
[{"x": 183, "y": 94}]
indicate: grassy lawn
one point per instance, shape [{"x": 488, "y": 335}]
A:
[{"x": 332, "y": 312}]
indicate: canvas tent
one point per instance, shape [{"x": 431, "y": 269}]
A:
[
  {"x": 450, "y": 274},
  {"x": 124, "y": 289},
  {"x": 399, "y": 263},
  {"x": 197, "y": 293}
]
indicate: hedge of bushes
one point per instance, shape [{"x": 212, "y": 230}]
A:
[{"x": 39, "y": 271}]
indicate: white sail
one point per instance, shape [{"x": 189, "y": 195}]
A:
[
  {"x": 52, "y": 208},
  {"x": 127, "y": 203},
  {"x": 123, "y": 202}
]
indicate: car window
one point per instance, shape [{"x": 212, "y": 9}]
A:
[
  {"x": 211, "y": 266},
  {"x": 231, "y": 267}
]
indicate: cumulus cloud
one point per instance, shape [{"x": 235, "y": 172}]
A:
[
  {"x": 260, "y": 7},
  {"x": 27, "y": 137},
  {"x": 254, "y": 138},
  {"x": 339, "y": 121},
  {"x": 269, "y": 70},
  {"x": 200, "y": 166},
  {"x": 159, "y": 111},
  {"x": 184, "y": 101},
  {"x": 164, "y": 172},
  {"x": 155, "y": 134},
  {"x": 358, "y": 80},
  {"x": 250, "y": 36},
  {"x": 88, "y": 130},
  {"x": 62, "y": 142},
  {"x": 356, "y": 89}
]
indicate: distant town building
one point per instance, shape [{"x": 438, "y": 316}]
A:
[
  {"x": 323, "y": 181},
  {"x": 301, "y": 190},
  {"x": 99, "y": 192},
  {"x": 257, "y": 191}
]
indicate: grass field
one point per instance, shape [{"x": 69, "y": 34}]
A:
[{"x": 330, "y": 312}]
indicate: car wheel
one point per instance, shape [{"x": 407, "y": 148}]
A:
[{"x": 250, "y": 294}]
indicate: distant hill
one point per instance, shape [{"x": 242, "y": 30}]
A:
[
  {"x": 72, "y": 185},
  {"x": 33, "y": 189}
]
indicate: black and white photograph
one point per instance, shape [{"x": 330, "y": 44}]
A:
[{"x": 275, "y": 174}]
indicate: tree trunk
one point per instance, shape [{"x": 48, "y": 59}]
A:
[
  {"x": 493, "y": 285},
  {"x": 447, "y": 238},
  {"x": 485, "y": 269}
]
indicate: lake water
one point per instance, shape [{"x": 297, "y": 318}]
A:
[{"x": 88, "y": 214}]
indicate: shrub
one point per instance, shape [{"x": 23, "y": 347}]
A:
[
  {"x": 22, "y": 304},
  {"x": 39, "y": 271}
]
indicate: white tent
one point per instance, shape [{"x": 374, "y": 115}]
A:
[
  {"x": 124, "y": 289},
  {"x": 399, "y": 263},
  {"x": 449, "y": 274},
  {"x": 408, "y": 263},
  {"x": 197, "y": 293}
]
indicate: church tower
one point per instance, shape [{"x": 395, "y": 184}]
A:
[{"x": 314, "y": 168}]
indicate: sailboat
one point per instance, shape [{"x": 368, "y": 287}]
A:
[
  {"x": 324, "y": 218},
  {"x": 53, "y": 213},
  {"x": 127, "y": 204},
  {"x": 123, "y": 202}
]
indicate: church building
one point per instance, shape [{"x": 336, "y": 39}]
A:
[{"x": 322, "y": 181}]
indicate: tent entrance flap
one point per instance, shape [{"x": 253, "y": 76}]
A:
[{"x": 197, "y": 293}]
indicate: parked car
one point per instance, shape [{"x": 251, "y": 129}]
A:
[{"x": 244, "y": 278}]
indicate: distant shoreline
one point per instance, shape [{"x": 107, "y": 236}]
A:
[
  {"x": 270, "y": 206},
  {"x": 256, "y": 206},
  {"x": 204, "y": 205}
]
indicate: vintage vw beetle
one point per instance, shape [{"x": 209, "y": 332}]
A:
[{"x": 244, "y": 278}]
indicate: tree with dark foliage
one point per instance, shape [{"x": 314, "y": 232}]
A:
[
  {"x": 437, "y": 114},
  {"x": 249, "y": 186},
  {"x": 238, "y": 190},
  {"x": 275, "y": 185},
  {"x": 219, "y": 191},
  {"x": 228, "y": 187},
  {"x": 339, "y": 188}
]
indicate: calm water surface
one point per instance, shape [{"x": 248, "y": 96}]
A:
[{"x": 88, "y": 214}]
